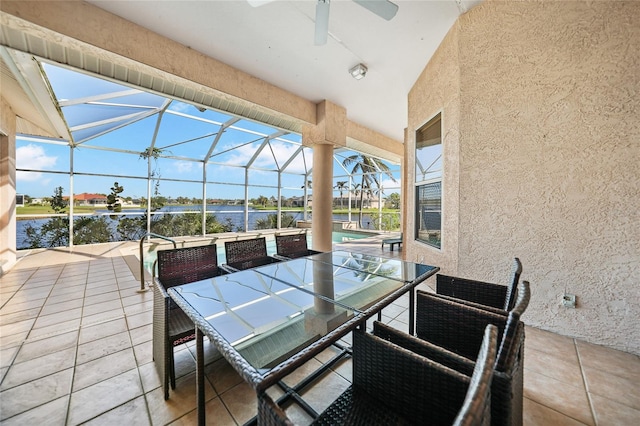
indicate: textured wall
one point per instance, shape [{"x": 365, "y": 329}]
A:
[
  {"x": 549, "y": 155},
  {"x": 437, "y": 90}
]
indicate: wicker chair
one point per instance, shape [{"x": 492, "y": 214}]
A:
[
  {"x": 456, "y": 328},
  {"x": 393, "y": 385},
  {"x": 246, "y": 254},
  {"x": 292, "y": 246},
  {"x": 484, "y": 293},
  {"x": 171, "y": 326}
]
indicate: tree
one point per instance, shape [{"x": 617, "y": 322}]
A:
[
  {"x": 341, "y": 186},
  {"x": 157, "y": 202},
  {"x": 369, "y": 168},
  {"x": 114, "y": 203},
  {"x": 271, "y": 221},
  {"x": 393, "y": 200},
  {"x": 57, "y": 202},
  {"x": 355, "y": 188}
]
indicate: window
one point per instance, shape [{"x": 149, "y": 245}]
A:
[{"x": 428, "y": 215}]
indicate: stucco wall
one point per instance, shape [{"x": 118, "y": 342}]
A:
[
  {"x": 437, "y": 91},
  {"x": 549, "y": 149}
]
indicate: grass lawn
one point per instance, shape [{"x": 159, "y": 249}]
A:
[{"x": 39, "y": 209}]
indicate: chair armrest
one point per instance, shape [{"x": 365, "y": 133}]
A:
[
  {"x": 474, "y": 291},
  {"x": 161, "y": 306},
  {"x": 161, "y": 291}
]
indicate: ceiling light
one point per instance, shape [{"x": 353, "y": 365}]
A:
[{"x": 358, "y": 72}]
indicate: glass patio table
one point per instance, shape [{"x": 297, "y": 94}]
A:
[
  {"x": 270, "y": 320},
  {"x": 358, "y": 267}
]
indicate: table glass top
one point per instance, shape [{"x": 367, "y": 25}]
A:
[
  {"x": 246, "y": 307},
  {"x": 357, "y": 289},
  {"x": 270, "y": 312},
  {"x": 395, "y": 269}
]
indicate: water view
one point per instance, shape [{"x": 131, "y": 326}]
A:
[{"x": 233, "y": 215}]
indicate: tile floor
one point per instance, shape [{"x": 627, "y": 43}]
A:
[{"x": 75, "y": 348}]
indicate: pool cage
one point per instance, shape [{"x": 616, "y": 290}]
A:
[{"x": 137, "y": 162}]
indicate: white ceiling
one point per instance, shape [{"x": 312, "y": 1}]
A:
[{"x": 275, "y": 42}]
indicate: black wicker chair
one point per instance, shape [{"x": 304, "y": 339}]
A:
[
  {"x": 246, "y": 254},
  {"x": 171, "y": 326},
  {"x": 393, "y": 385},
  {"x": 489, "y": 294},
  {"x": 457, "y": 329},
  {"x": 292, "y": 246}
]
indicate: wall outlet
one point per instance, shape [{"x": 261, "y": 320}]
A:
[{"x": 569, "y": 300}]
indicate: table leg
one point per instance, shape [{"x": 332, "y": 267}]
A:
[{"x": 200, "y": 377}]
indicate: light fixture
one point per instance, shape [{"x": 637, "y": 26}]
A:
[{"x": 358, "y": 72}]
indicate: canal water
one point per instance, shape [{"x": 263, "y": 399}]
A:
[{"x": 234, "y": 213}]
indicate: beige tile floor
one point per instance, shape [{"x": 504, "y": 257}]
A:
[{"x": 75, "y": 348}]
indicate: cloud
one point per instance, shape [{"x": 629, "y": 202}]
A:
[
  {"x": 390, "y": 186},
  {"x": 179, "y": 106},
  {"x": 33, "y": 157},
  {"x": 184, "y": 166},
  {"x": 282, "y": 152}
]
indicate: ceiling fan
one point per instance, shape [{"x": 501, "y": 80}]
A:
[{"x": 383, "y": 8}]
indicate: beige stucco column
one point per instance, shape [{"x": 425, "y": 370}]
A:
[
  {"x": 330, "y": 131},
  {"x": 7, "y": 187},
  {"x": 321, "y": 220}
]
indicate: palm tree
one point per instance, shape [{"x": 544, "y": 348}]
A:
[
  {"x": 355, "y": 188},
  {"x": 341, "y": 186},
  {"x": 369, "y": 167}
]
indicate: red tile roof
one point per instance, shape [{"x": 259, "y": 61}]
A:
[{"x": 86, "y": 196}]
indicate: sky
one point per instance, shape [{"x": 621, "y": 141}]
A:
[{"x": 112, "y": 124}]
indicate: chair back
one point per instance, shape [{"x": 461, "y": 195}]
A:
[
  {"x": 510, "y": 343},
  {"x": 419, "y": 388},
  {"x": 453, "y": 325},
  {"x": 291, "y": 245},
  {"x": 524, "y": 296},
  {"x": 245, "y": 250},
  {"x": 476, "y": 409},
  {"x": 185, "y": 265},
  {"x": 516, "y": 271}
]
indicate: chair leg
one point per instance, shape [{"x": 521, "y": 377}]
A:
[
  {"x": 172, "y": 369},
  {"x": 168, "y": 360}
]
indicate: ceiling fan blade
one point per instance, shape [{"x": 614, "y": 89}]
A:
[
  {"x": 322, "y": 22},
  {"x": 383, "y": 8}
]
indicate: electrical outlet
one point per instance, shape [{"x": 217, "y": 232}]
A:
[{"x": 569, "y": 300}]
